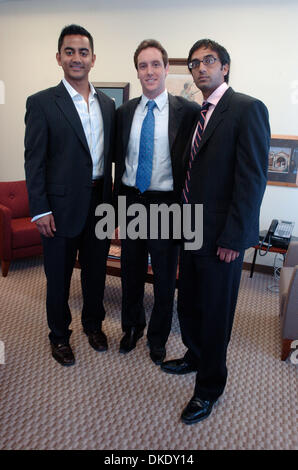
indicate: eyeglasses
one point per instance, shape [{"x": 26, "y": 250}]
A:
[{"x": 207, "y": 60}]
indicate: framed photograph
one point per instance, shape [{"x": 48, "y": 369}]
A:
[
  {"x": 118, "y": 91},
  {"x": 283, "y": 161},
  {"x": 180, "y": 82}
]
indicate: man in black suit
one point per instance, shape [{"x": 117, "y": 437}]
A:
[
  {"x": 174, "y": 118},
  {"x": 225, "y": 170},
  {"x": 68, "y": 155}
]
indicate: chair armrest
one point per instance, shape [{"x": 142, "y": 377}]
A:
[
  {"x": 5, "y": 233},
  {"x": 292, "y": 255},
  {"x": 290, "y": 323}
]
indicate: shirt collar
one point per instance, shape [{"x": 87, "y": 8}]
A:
[
  {"x": 161, "y": 100},
  {"x": 74, "y": 92},
  {"x": 92, "y": 89},
  {"x": 217, "y": 94}
]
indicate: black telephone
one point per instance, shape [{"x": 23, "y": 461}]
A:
[{"x": 279, "y": 234}]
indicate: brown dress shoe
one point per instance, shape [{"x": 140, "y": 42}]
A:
[
  {"x": 98, "y": 340},
  {"x": 63, "y": 354}
]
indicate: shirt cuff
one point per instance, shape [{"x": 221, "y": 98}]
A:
[{"x": 36, "y": 217}]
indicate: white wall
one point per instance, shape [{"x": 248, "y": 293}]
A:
[{"x": 261, "y": 36}]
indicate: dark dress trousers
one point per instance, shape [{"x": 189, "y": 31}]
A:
[
  {"x": 229, "y": 178},
  {"x": 58, "y": 168},
  {"x": 164, "y": 253}
]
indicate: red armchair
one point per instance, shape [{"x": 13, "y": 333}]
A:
[{"x": 19, "y": 237}]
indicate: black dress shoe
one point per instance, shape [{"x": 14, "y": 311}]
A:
[
  {"x": 129, "y": 340},
  {"x": 177, "y": 366},
  {"x": 157, "y": 354},
  {"x": 63, "y": 354},
  {"x": 196, "y": 410},
  {"x": 98, "y": 340}
]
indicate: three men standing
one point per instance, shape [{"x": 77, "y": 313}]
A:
[
  {"x": 68, "y": 159},
  {"x": 168, "y": 150}
]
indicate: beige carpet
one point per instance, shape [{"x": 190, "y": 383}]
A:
[{"x": 113, "y": 401}]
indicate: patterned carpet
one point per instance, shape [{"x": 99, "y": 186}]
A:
[{"x": 124, "y": 402}]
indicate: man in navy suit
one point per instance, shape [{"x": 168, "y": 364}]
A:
[
  {"x": 68, "y": 159},
  {"x": 174, "y": 118},
  {"x": 228, "y": 176}
]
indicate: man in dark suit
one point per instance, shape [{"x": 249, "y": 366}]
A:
[
  {"x": 173, "y": 119},
  {"x": 226, "y": 168},
  {"x": 68, "y": 155}
]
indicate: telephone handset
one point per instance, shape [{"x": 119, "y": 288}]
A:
[
  {"x": 272, "y": 227},
  {"x": 279, "y": 234}
]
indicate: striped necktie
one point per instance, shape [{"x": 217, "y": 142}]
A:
[
  {"x": 194, "y": 150},
  {"x": 144, "y": 171}
]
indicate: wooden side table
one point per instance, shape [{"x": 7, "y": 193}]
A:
[{"x": 272, "y": 249}]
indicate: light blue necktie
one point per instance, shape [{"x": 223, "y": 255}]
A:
[{"x": 144, "y": 171}]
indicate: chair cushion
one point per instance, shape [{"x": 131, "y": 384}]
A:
[
  {"x": 24, "y": 233},
  {"x": 13, "y": 194},
  {"x": 284, "y": 282}
]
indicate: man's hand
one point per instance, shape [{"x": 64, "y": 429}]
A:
[
  {"x": 227, "y": 255},
  {"x": 46, "y": 225}
]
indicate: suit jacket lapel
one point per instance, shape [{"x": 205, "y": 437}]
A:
[
  {"x": 217, "y": 116},
  {"x": 67, "y": 107},
  {"x": 106, "y": 117},
  {"x": 175, "y": 116},
  {"x": 126, "y": 127}
]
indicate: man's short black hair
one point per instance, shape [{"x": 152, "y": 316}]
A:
[
  {"x": 74, "y": 29},
  {"x": 214, "y": 46}
]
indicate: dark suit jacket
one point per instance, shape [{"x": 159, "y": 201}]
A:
[
  {"x": 229, "y": 173},
  {"x": 58, "y": 163},
  {"x": 182, "y": 115}
]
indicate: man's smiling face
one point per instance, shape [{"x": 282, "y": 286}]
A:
[
  {"x": 152, "y": 72},
  {"x": 75, "y": 57}
]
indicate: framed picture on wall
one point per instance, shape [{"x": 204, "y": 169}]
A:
[
  {"x": 283, "y": 161},
  {"x": 118, "y": 91},
  {"x": 179, "y": 81}
]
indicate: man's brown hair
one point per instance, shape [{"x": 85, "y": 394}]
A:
[{"x": 150, "y": 43}]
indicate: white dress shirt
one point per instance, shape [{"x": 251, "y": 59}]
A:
[
  {"x": 92, "y": 122},
  {"x": 162, "y": 176}
]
